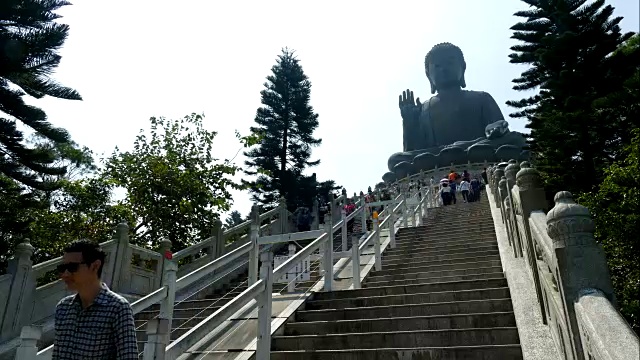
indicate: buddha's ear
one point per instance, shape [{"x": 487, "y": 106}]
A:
[
  {"x": 433, "y": 88},
  {"x": 463, "y": 84}
]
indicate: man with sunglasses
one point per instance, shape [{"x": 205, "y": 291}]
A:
[{"x": 95, "y": 323}]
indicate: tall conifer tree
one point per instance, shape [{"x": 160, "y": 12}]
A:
[
  {"x": 568, "y": 44},
  {"x": 286, "y": 123},
  {"x": 29, "y": 43}
]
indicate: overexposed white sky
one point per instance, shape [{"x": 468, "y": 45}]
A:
[{"x": 134, "y": 59}]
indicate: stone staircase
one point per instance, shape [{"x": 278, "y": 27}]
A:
[
  {"x": 441, "y": 294},
  {"x": 188, "y": 313}
]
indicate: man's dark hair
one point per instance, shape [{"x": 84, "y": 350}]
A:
[{"x": 90, "y": 250}]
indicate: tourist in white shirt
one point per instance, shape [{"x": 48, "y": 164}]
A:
[
  {"x": 464, "y": 189},
  {"x": 445, "y": 192}
]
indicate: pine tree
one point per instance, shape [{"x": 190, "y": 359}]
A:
[
  {"x": 568, "y": 44},
  {"x": 30, "y": 39},
  {"x": 286, "y": 123}
]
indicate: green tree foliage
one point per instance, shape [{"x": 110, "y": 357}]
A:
[
  {"x": 286, "y": 123},
  {"x": 80, "y": 206},
  {"x": 16, "y": 214},
  {"x": 234, "y": 218},
  {"x": 30, "y": 38},
  {"x": 568, "y": 45},
  {"x": 174, "y": 186},
  {"x": 583, "y": 119},
  {"x": 615, "y": 207},
  {"x": 620, "y": 109},
  {"x": 82, "y": 209}
]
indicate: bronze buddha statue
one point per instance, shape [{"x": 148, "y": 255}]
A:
[{"x": 455, "y": 125}]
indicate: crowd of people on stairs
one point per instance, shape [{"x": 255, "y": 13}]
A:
[{"x": 468, "y": 186}]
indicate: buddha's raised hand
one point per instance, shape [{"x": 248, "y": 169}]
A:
[{"x": 409, "y": 108}]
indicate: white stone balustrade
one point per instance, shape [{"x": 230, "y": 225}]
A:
[{"x": 566, "y": 265}]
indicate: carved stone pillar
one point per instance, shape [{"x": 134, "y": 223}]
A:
[
  {"x": 19, "y": 295},
  {"x": 510, "y": 173},
  {"x": 498, "y": 174},
  {"x": 580, "y": 261},
  {"x": 532, "y": 198}
]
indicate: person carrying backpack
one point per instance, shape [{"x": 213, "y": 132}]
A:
[{"x": 445, "y": 192}]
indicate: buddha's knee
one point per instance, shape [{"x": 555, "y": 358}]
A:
[{"x": 398, "y": 158}]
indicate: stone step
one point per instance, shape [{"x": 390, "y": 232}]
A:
[
  {"x": 141, "y": 334},
  {"x": 442, "y": 247},
  {"x": 441, "y": 260},
  {"x": 452, "y": 236},
  {"x": 198, "y": 303},
  {"x": 445, "y": 221},
  {"x": 496, "y": 275},
  {"x": 175, "y": 323},
  {"x": 401, "y": 339},
  {"x": 443, "y": 250},
  {"x": 444, "y": 225},
  {"x": 390, "y": 260},
  {"x": 374, "y": 277},
  {"x": 423, "y": 248},
  {"x": 468, "y": 236},
  {"x": 446, "y": 308},
  {"x": 180, "y": 313},
  {"x": 427, "y": 266},
  {"x": 448, "y": 232},
  {"x": 411, "y": 298},
  {"x": 411, "y": 289},
  {"x": 460, "y": 233},
  {"x": 484, "y": 352},
  {"x": 436, "y": 322}
]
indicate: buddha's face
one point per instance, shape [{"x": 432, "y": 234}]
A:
[{"x": 446, "y": 70}]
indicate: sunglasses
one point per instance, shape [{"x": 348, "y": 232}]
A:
[{"x": 70, "y": 267}]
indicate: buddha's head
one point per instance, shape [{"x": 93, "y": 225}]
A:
[{"x": 445, "y": 67}]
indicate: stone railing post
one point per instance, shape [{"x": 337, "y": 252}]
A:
[
  {"x": 283, "y": 216},
  {"x": 343, "y": 230},
  {"x": 216, "y": 245},
  {"x": 29, "y": 337},
  {"x": 510, "y": 173},
  {"x": 291, "y": 286},
  {"x": 158, "y": 331},
  {"x": 405, "y": 206},
  {"x": 498, "y": 173},
  {"x": 19, "y": 295},
  {"x": 121, "y": 278},
  {"x": 392, "y": 226},
  {"x": 363, "y": 215},
  {"x": 315, "y": 211},
  {"x": 165, "y": 251},
  {"x": 263, "y": 347},
  {"x": 420, "y": 207},
  {"x": 327, "y": 260},
  {"x": 340, "y": 205},
  {"x": 376, "y": 242},
  {"x": 170, "y": 277},
  {"x": 580, "y": 261},
  {"x": 532, "y": 197},
  {"x": 355, "y": 262},
  {"x": 254, "y": 253}
]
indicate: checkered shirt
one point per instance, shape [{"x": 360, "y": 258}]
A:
[{"x": 105, "y": 330}]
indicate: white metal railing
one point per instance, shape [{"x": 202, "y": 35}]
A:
[{"x": 259, "y": 290}]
